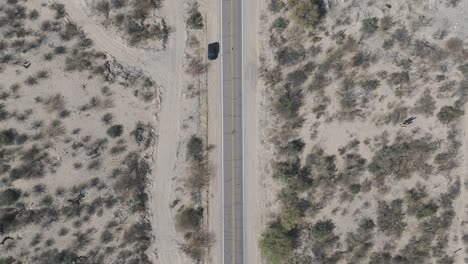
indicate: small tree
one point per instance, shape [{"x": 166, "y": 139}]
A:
[
  {"x": 9, "y": 196},
  {"x": 323, "y": 229},
  {"x": 304, "y": 12},
  {"x": 448, "y": 114},
  {"x": 115, "y": 131},
  {"x": 370, "y": 25},
  {"x": 276, "y": 245}
]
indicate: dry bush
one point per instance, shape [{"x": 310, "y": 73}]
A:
[
  {"x": 390, "y": 218},
  {"x": 454, "y": 45},
  {"x": 55, "y": 103},
  {"x": 402, "y": 158},
  {"x": 196, "y": 66},
  {"x": 195, "y": 19},
  {"x": 198, "y": 244},
  {"x": 425, "y": 105}
]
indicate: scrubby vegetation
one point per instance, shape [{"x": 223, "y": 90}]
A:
[
  {"x": 363, "y": 133},
  {"x": 63, "y": 198},
  {"x": 135, "y": 20}
]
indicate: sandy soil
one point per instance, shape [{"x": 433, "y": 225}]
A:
[
  {"x": 329, "y": 134},
  {"x": 167, "y": 68}
]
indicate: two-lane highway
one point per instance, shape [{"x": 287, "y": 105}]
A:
[{"x": 233, "y": 234}]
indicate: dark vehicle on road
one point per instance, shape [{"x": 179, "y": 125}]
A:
[{"x": 213, "y": 50}]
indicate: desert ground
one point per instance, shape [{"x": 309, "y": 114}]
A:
[
  {"x": 354, "y": 131},
  {"x": 343, "y": 178},
  {"x": 98, "y": 99}
]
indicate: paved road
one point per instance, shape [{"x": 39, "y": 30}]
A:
[{"x": 231, "y": 43}]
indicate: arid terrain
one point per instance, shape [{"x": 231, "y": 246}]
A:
[
  {"x": 354, "y": 131},
  {"x": 94, "y": 106},
  {"x": 362, "y": 126}
]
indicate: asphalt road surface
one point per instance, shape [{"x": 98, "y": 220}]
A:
[{"x": 231, "y": 54}]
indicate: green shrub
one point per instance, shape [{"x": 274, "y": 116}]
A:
[
  {"x": 195, "y": 148},
  {"x": 427, "y": 210},
  {"x": 291, "y": 214},
  {"x": 276, "y": 245},
  {"x": 195, "y": 19},
  {"x": 288, "y": 104},
  {"x": 294, "y": 147},
  {"x": 115, "y": 131},
  {"x": 426, "y": 105},
  {"x": 370, "y": 25},
  {"x": 402, "y": 158},
  {"x": 9, "y": 196},
  {"x": 304, "y": 12},
  {"x": 291, "y": 173},
  {"x": 106, "y": 236},
  {"x": 448, "y": 114},
  {"x": 323, "y": 229},
  {"x": 8, "y": 136},
  {"x": 280, "y": 23},
  {"x": 189, "y": 219},
  {"x": 390, "y": 217}
]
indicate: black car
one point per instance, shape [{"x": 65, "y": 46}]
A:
[{"x": 213, "y": 50}]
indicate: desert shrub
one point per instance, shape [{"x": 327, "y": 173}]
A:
[
  {"x": 9, "y": 196},
  {"x": 55, "y": 103},
  {"x": 323, "y": 229},
  {"x": 291, "y": 173},
  {"x": 271, "y": 76},
  {"x": 59, "y": 10},
  {"x": 448, "y": 114},
  {"x": 402, "y": 36},
  {"x": 305, "y": 13},
  {"x": 8, "y": 136},
  {"x": 287, "y": 56},
  {"x": 31, "y": 80},
  {"x": 361, "y": 59},
  {"x": 416, "y": 251},
  {"x": 276, "y": 244},
  {"x": 386, "y": 23},
  {"x": 454, "y": 45},
  {"x": 425, "y": 105},
  {"x": 60, "y": 50},
  {"x": 463, "y": 69},
  {"x": 33, "y": 15},
  {"x": 106, "y": 236},
  {"x": 71, "y": 30},
  {"x": 197, "y": 244},
  {"x": 390, "y": 217},
  {"x": 107, "y": 118},
  {"x": 189, "y": 219},
  {"x": 275, "y": 5},
  {"x": 196, "y": 66},
  {"x": 195, "y": 19},
  {"x": 280, "y": 23},
  {"x": 296, "y": 78},
  {"x": 294, "y": 147},
  {"x": 398, "y": 115},
  {"x": 115, "y": 131},
  {"x": 424, "y": 49},
  {"x": 427, "y": 210},
  {"x": 55, "y": 129},
  {"x": 402, "y": 158},
  {"x": 370, "y": 25},
  {"x": 370, "y": 85},
  {"x": 118, "y": 3},
  {"x": 4, "y": 114},
  {"x": 195, "y": 150},
  {"x": 288, "y": 103},
  {"x": 103, "y": 7},
  {"x": 348, "y": 100}
]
